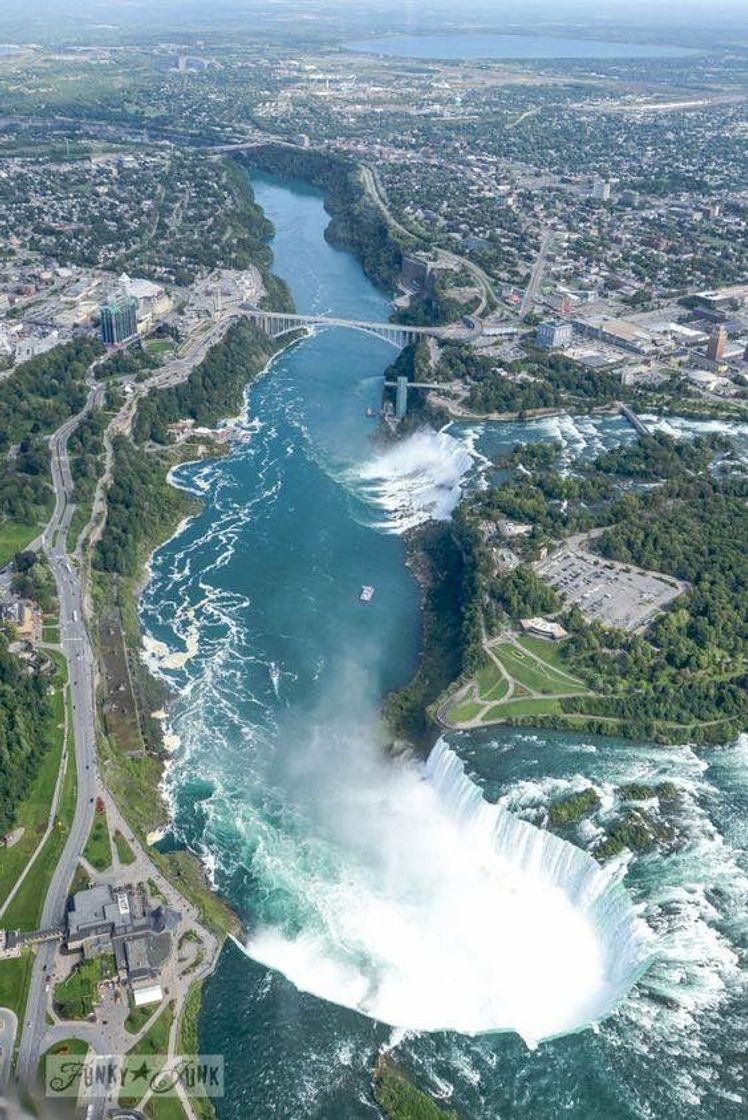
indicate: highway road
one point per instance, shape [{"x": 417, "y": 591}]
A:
[
  {"x": 374, "y": 189},
  {"x": 78, "y": 652},
  {"x": 536, "y": 275},
  {"x": 76, "y": 646}
]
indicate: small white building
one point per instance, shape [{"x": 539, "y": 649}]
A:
[
  {"x": 543, "y": 628},
  {"x": 151, "y": 993}
]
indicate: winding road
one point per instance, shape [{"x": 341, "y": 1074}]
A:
[{"x": 79, "y": 655}]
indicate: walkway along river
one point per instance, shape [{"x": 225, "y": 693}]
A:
[{"x": 365, "y": 882}]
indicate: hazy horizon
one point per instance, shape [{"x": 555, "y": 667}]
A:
[{"x": 81, "y": 19}]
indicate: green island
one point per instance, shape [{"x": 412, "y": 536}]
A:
[
  {"x": 676, "y": 672},
  {"x": 679, "y": 674},
  {"x": 399, "y": 1098}
]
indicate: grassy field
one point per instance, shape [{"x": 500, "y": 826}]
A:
[
  {"x": 15, "y": 975},
  {"x": 138, "y": 1018},
  {"x": 160, "y": 345},
  {"x": 492, "y": 685},
  {"x": 33, "y": 812},
  {"x": 98, "y": 849},
  {"x": 554, "y": 653},
  {"x": 68, "y": 1048},
  {"x": 532, "y": 707},
  {"x": 166, "y": 1108},
  {"x": 75, "y": 996},
  {"x": 538, "y": 676},
  {"x": 463, "y": 713},
  {"x": 50, "y": 630},
  {"x": 156, "y": 1040},
  {"x": 24, "y": 912},
  {"x": 153, "y": 1044},
  {"x": 125, "y": 853},
  {"x": 534, "y": 675},
  {"x": 14, "y": 537}
]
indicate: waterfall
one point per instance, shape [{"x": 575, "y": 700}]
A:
[
  {"x": 427, "y": 908},
  {"x": 541, "y": 855}
]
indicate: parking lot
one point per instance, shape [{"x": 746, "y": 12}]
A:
[{"x": 612, "y": 593}]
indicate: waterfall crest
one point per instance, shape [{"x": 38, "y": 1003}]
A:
[
  {"x": 431, "y": 909},
  {"x": 540, "y": 854}
]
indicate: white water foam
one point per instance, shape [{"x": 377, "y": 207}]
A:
[
  {"x": 476, "y": 922},
  {"x": 416, "y": 480}
]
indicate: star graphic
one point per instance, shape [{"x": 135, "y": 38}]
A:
[{"x": 141, "y": 1073}]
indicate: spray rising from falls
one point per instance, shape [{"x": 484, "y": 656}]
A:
[
  {"x": 447, "y": 912},
  {"x": 416, "y": 480}
]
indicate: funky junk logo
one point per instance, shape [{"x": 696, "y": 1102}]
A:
[{"x": 135, "y": 1076}]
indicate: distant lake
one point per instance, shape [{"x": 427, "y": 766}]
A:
[{"x": 509, "y": 46}]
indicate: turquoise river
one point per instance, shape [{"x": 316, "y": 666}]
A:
[{"x": 420, "y": 909}]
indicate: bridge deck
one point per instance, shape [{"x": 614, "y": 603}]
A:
[{"x": 287, "y": 321}]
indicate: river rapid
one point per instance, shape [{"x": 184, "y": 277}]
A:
[{"x": 390, "y": 905}]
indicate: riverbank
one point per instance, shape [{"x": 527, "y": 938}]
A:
[
  {"x": 356, "y": 223},
  {"x": 145, "y": 509},
  {"x": 436, "y": 561}
]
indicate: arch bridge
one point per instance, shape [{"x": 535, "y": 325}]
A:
[{"x": 277, "y": 323}]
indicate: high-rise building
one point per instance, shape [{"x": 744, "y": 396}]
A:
[
  {"x": 554, "y": 336},
  {"x": 715, "y": 348},
  {"x": 119, "y": 319}
]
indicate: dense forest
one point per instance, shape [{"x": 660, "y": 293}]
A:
[
  {"x": 44, "y": 391},
  {"x": 34, "y": 400},
  {"x": 659, "y": 456},
  {"x": 24, "y": 715},
  {"x": 214, "y": 388},
  {"x": 434, "y": 306},
  {"x": 542, "y": 381},
  {"x": 142, "y": 506},
  {"x": 356, "y": 222},
  {"x": 32, "y": 579},
  {"x": 439, "y": 563}
]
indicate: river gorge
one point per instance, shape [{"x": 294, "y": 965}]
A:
[{"x": 392, "y": 903}]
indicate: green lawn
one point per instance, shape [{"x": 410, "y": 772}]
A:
[
  {"x": 543, "y": 706},
  {"x": 153, "y": 1045},
  {"x": 70, "y": 1048},
  {"x": 461, "y": 713},
  {"x": 98, "y": 849},
  {"x": 33, "y": 811},
  {"x": 50, "y": 632},
  {"x": 553, "y": 653},
  {"x": 138, "y": 1017},
  {"x": 491, "y": 684},
  {"x": 166, "y": 1108},
  {"x": 528, "y": 672},
  {"x": 160, "y": 345},
  {"x": 15, "y": 975},
  {"x": 156, "y": 1040},
  {"x": 24, "y": 912},
  {"x": 14, "y": 537},
  {"x": 75, "y": 996},
  {"x": 125, "y": 854}
]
